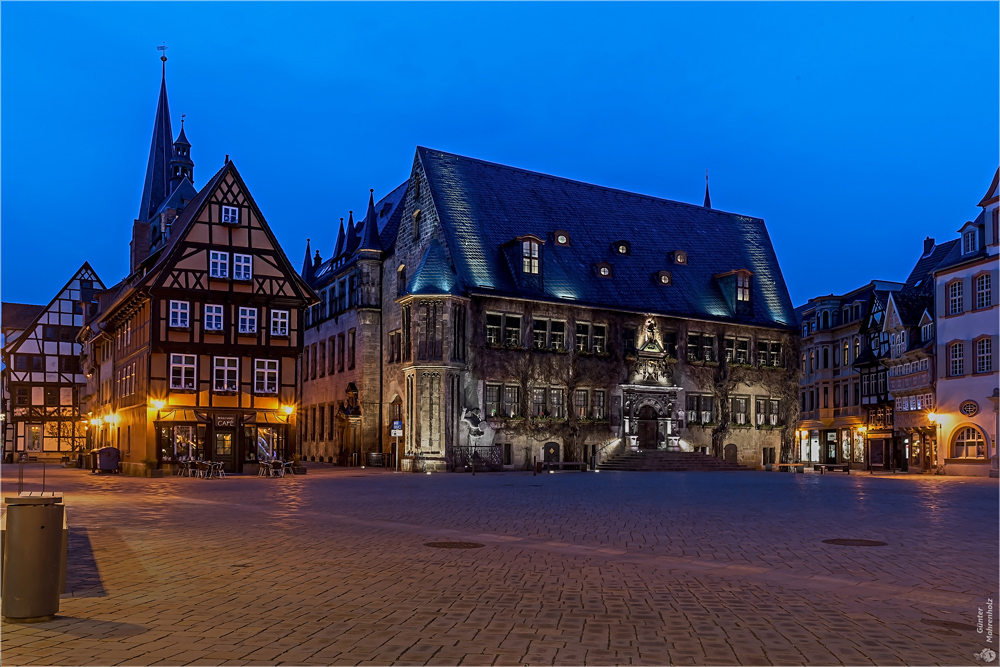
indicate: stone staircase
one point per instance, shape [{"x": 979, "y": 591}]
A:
[{"x": 662, "y": 460}]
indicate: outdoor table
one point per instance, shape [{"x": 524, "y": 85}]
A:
[
  {"x": 203, "y": 469},
  {"x": 277, "y": 469}
]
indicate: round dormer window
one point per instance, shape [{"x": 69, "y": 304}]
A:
[
  {"x": 622, "y": 249},
  {"x": 664, "y": 279},
  {"x": 605, "y": 271},
  {"x": 969, "y": 408},
  {"x": 562, "y": 239},
  {"x": 681, "y": 257}
]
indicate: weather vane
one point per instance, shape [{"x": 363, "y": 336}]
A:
[{"x": 163, "y": 49}]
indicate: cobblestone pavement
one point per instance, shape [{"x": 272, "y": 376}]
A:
[{"x": 609, "y": 568}]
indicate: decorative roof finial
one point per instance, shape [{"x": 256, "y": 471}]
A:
[
  {"x": 708, "y": 199},
  {"x": 163, "y": 52}
]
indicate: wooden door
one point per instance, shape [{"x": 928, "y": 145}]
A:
[{"x": 647, "y": 431}]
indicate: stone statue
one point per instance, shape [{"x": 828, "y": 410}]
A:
[{"x": 473, "y": 430}]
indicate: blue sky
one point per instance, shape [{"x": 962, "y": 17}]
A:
[{"x": 853, "y": 129}]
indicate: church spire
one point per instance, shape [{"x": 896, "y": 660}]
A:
[
  {"x": 307, "y": 265},
  {"x": 352, "y": 234},
  {"x": 708, "y": 199},
  {"x": 156, "y": 186},
  {"x": 369, "y": 238},
  {"x": 181, "y": 165}
]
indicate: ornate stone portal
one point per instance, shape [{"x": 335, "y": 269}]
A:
[{"x": 651, "y": 396}]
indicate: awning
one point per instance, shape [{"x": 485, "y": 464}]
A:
[
  {"x": 265, "y": 418},
  {"x": 181, "y": 415}
]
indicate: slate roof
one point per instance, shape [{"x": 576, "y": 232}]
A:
[
  {"x": 921, "y": 277},
  {"x": 434, "y": 275},
  {"x": 954, "y": 256},
  {"x": 18, "y": 315},
  {"x": 990, "y": 195},
  {"x": 910, "y": 306},
  {"x": 483, "y": 206}
]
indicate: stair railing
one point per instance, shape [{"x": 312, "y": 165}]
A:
[{"x": 603, "y": 453}]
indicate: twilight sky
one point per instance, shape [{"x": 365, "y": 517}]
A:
[{"x": 853, "y": 129}]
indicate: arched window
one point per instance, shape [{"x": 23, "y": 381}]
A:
[
  {"x": 969, "y": 444},
  {"x": 812, "y": 360},
  {"x": 857, "y": 348},
  {"x": 847, "y": 352},
  {"x": 401, "y": 280},
  {"x": 826, "y": 319},
  {"x": 826, "y": 357},
  {"x": 803, "y": 365}
]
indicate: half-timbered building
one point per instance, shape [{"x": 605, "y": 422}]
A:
[
  {"x": 194, "y": 353},
  {"x": 42, "y": 378}
]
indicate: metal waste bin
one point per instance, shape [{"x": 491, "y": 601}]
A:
[{"x": 34, "y": 550}]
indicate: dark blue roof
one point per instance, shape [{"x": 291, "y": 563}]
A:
[
  {"x": 921, "y": 278},
  {"x": 435, "y": 274},
  {"x": 483, "y": 206}
]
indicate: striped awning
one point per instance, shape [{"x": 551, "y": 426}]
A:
[
  {"x": 265, "y": 417},
  {"x": 181, "y": 415}
]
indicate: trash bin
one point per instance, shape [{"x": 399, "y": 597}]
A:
[
  {"x": 107, "y": 459},
  {"x": 33, "y": 556}
]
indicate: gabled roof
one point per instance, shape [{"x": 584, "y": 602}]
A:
[
  {"x": 434, "y": 275},
  {"x": 482, "y": 206},
  {"x": 910, "y": 306},
  {"x": 991, "y": 192},
  {"x": 85, "y": 270},
  {"x": 148, "y": 270},
  {"x": 156, "y": 185},
  {"x": 18, "y": 315},
  {"x": 921, "y": 278}
]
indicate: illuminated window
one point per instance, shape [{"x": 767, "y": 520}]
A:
[
  {"x": 225, "y": 372},
  {"x": 742, "y": 287},
  {"x": 969, "y": 444},
  {"x": 265, "y": 373},
  {"x": 213, "y": 318},
  {"x": 182, "y": 371},
  {"x": 529, "y": 257}
]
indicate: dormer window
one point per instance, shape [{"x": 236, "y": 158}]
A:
[
  {"x": 230, "y": 215},
  {"x": 622, "y": 247},
  {"x": 742, "y": 286},
  {"x": 529, "y": 257},
  {"x": 969, "y": 242},
  {"x": 664, "y": 278},
  {"x": 604, "y": 270},
  {"x": 562, "y": 237},
  {"x": 679, "y": 257}
]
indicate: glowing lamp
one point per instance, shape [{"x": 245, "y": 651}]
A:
[
  {"x": 862, "y": 429},
  {"x": 932, "y": 417},
  {"x": 108, "y": 419},
  {"x": 157, "y": 404},
  {"x": 288, "y": 409}
]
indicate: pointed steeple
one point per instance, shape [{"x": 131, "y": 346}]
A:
[
  {"x": 307, "y": 265},
  {"x": 369, "y": 237},
  {"x": 352, "y": 234},
  {"x": 339, "y": 247},
  {"x": 156, "y": 186},
  {"x": 181, "y": 165},
  {"x": 708, "y": 198}
]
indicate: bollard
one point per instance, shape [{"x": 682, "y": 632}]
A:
[
  {"x": 534, "y": 466},
  {"x": 33, "y": 557}
]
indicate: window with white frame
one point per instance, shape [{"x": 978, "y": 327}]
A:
[
  {"x": 230, "y": 215},
  {"x": 265, "y": 376},
  {"x": 597, "y": 409},
  {"x": 984, "y": 355},
  {"x": 218, "y": 264},
  {"x": 529, "y": 257},
  {"x": 242, "y": 267},
  {"x": 742, "y": 287},
  {"x": 969, "y": 444},
  {"x": 213, "y": 318},
  {"x": 740, "y": 405},
  {"x": 224, "y": 373},
  {"x": 956, "y": 359},
  {"x": 179, "y": 314},
  {"x": 182, "y": 367},
  {"x": 279, "y": 323},
  {"x": 969, "y": 242},
  {"x": 927, "y": 332},
  {"x": 984, "y": 294},
  {"x": 955, "y": 305},
  {"x": 248, "y": 320}
]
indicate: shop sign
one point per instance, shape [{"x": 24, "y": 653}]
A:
[{"x": 225, "y": 421}]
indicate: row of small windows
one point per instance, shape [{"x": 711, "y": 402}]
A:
[
  {"x": 815, "y": 359},
  {"x": 225, "y": 374},
  {"x": 43, "y": 363},
  {"x": 810, "y": 398},
  {"x": 328, "y": 356},
  {"x": 218, "y": 265},
  {"x": 827, "y": 319},
  {"x": 214, "y": 318},
  {"x": 908, "y": 368},
  {"x": 47, "y": 396},
  {"x": 504, "y": 400},
  {"x": 983, "y": 357},
  {"x": 983, "y": 294},
  {"x": 767, "y": 410}
]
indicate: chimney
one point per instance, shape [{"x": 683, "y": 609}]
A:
[
  {"x": 928, "y": 245},
  {"x": 140, "y": 244}
]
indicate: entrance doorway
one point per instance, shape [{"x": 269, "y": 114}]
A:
[
  {"x": 729, "y": 453},
  {"x": 551, "y": 452},
  {"x": 223, "y": 450},
  {"x": 34, "y": 438},
  {"x": 648, "y": 430}
]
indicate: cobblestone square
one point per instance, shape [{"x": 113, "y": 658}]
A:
[{"x": 573, "y": 568}]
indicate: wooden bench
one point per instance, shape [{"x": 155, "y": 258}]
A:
[
  {"x": 823, "y": 467},
  {"x": 565, "y": 464},
  {"x": 795, "y": 467}
]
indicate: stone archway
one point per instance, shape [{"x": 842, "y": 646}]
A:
[{"x": 729, "y": 454}]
